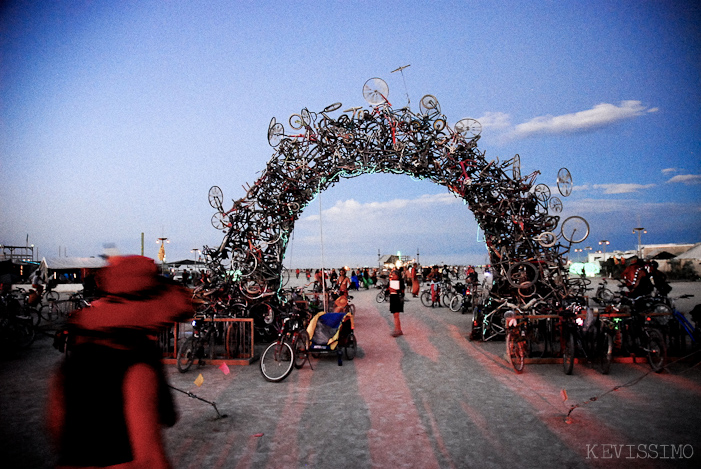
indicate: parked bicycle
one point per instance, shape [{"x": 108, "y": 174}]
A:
[
  {"x": 206, "y": 333},
  {"x": 588, "y": 335},
  {"x": 290, "y": 349}
]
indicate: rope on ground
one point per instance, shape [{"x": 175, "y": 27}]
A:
[
  {"x": 193, "y": 396},
  {"x": 624, "y": 385}
]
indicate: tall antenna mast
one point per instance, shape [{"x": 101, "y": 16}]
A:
[{"x": 401, "y": 70}]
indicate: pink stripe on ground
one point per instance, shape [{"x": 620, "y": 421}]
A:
[{"x": 396, "y": 437}]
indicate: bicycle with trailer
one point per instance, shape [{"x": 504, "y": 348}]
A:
[{"x": 333, "y": 333}]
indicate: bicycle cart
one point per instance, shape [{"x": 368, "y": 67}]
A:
[{"x": 332, "y": 333}]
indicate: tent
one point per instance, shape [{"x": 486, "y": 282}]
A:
[
  {"x": 70, "y": 268},
  {"x": 693, "y": 253}
]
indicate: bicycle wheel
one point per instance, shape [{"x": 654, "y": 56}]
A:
[
  {"x": 522, "y": 275},
  {"x": 439, "y": 125},
  {"x": 468, "y": 127},
  {"x": 22, "y": 332},
  {"x": 542, "y": 192},
  {"x": 51, "y": 296},
  {"x": 186, "y": 354},
  {"x": 555, "y": 204},
  {"x": 426, "y": 298},
  {"x": 564, "y": 182},
  {"x": 49, "y": 312},
  {"x": 428, "y": 102},
  {"x": 605, "y": 353},
  {"x": 219, "y": 221},
  {"x": 33, "y": 313},
  {"x": 296, "y": 121},
  {"x": 547, "y": 239},
  {"x": 275, "y": 133},
  {"x": 277, "y": 361},
  {"x": 216, "y": 198},
  {"x": 242, "y": 262},
  {"x": 381, "y": 297},
  {"x": 568, "y": 354},
  {"x": 332, "y": 107},
  {"x": 375, "y": 91},
  {"x": 446, "y": 298},
  {"x": 575, "y": 229},
  {"x": 515, "y": 351},
  {"x": 656, "y": 350},
  {"x": 351, "y": 347},
  {"x": 604, "y": 295},
  {"x": 456, "y": 303},
  {"x": 301, "y": 349}
]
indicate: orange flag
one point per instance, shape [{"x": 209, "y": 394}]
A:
[{"x": 199, "y": 380}]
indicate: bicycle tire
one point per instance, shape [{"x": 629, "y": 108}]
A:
[
  {"x": 33, "y": 313},
  {"x": 426, "y": 299},
  {"x": 547, "y": 239},
  {"x": 605, "y": 295},
  {"x": 605, "y": 354},
  {"x": 332, "y": 107},
  {"x": 555, "y": 204},
  {"x": 277, "y": 361},
  {"x": 381, "y": 297},
  {"x": 216, "y": 198},
  {"x": 375, "y": 91},
  {"x": 456, "y": 303},
  {"x": 568, "y": 354},
  {"x": 186, "y": 354},
  {"x": 564, "y": 182},
  {"x": 446, "y": 298},
  {"x": 275, "y": 133},
  {"x": 656, "y": 350},
  {"x": 351, "y": 348},
  {"x": 467, "y": 126},
  {"x": 301, "y": 349},
  {"x": 515, "y": 351},
  {"x": 439, "y": 125},
  {"x": 428, "y": 102},
  {"x": 219, "y": 221},
  {"x": 49, "y": 312},
  {"x": 23, "y": 332},
  {"x": 52, "y": 296},
  {"x": 571, "y": 225},
  {"x": 296, "y": 121},
  {"x": 541, "y": 192},
  {"x": 522, "y": 275}
]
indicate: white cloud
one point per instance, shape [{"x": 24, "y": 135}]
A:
[
  {"x": 671, "y": 170},
  {"x": 622, "y": 188},
  {"x": 361, "y": 213},
  {"x": 686, "y": 178},
  {"x": 599, "y": 116},
  {"x": 495, "y": 120}
]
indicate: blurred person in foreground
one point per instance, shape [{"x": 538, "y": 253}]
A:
[{"x": 109, "y": 398}]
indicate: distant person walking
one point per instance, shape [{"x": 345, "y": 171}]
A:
[
  {"x": 396, "y": 300},
  {"x": 415, "y": 280}
]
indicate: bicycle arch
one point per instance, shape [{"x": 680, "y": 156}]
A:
[{"x": 324, "y": 148}]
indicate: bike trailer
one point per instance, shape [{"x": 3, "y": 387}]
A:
[{"x": 329, "y": 330}]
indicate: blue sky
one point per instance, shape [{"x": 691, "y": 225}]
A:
[{"x": 117, "y": 117}]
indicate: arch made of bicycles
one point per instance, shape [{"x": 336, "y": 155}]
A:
[{"x": 314, "y": 150}]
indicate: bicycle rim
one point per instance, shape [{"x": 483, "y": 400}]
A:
[{"x": 277, "y": 361}]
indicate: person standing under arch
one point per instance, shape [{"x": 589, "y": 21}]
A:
[{"x": 396, "y": 300}]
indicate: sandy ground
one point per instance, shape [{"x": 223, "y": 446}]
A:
[{"x": 430, "y": 398}]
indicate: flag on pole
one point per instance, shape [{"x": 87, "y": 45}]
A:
[{"x": 162, "y": 253}]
